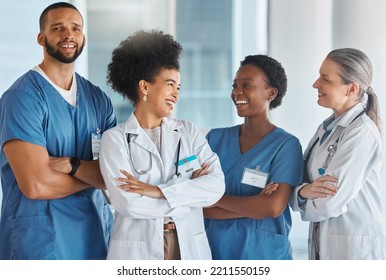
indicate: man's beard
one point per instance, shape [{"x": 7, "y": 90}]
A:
[{"x": 59, "y": 56}]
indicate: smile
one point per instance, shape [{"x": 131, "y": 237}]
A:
[
  {"x": 170, "y": 103},
  {"x": 68, "y": 46},
  {"x": 241, "y": 102}
]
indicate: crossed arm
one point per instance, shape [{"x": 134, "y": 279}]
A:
[
  {"x": 269, "y": 203},
  {"x": 131, "y": 184},
  {"x": 40, "y": 176}
]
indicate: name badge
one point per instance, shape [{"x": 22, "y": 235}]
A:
[
  {"x": 254, "y": 178},
  {"x": 96, "y": 144},
  {"x": 188, "y": 165}
]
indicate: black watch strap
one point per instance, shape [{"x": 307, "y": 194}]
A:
[{"x": 75, "y": 163}]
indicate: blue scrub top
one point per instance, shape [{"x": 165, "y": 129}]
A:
[
  {"x": 74, "y": 227},
  {"x": 280, "y": 155}
]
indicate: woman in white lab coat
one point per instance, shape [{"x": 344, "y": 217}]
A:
[
  {"x": 341, "y": 193},
  {"x": 148, "y": 162}
]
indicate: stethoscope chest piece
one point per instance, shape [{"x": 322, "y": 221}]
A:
[{"x": 331, "y": 152}]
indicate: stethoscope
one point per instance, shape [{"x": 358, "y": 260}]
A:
[
  {"x": 150, "y": 166},
  {"x": 331, "y": 150}
]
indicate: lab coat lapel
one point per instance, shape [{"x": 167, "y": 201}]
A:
[
  {"x": 139, "y": 136},
  {"x": 170, "y": 136}
]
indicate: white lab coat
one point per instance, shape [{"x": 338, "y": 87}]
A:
[
  {"x": 351, "y": 223},
  {"x": 138, "y": 230}
]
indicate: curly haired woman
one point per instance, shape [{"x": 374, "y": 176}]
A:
[{"x": 160, "y": 172}]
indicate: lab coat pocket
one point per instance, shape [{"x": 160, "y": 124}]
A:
[
  {"x": 127, "y": 250},
  {"x": 202, "y": 246},
  {"x": 350, "y": 247},
  {"x": 32, "y": 238}
]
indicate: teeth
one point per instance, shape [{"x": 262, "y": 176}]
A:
[
  {"x": 170, "y": 103},
  {"x": 240, "y": 102}
]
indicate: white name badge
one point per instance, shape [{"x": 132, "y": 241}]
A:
[
  {"x": 95, "y": 144},
  {"x": 188, "y": 165},
  {"x": 254, "y": 178}
]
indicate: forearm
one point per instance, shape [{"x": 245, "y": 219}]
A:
[
  {"x": 200, "y": 192},
  {"x": 137, "y": 206},
  {"x": 256, "y": 206},
  {"x": 35, "y": 176},
  {"x": 218, "y": 213},
  {"x": 89, "y": 173},
  {"x": 52, "y": 185}
]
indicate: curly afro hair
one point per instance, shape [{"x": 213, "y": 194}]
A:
[
  {"x": 141, "y": 57},
  {"x": 275, "y": 73}
]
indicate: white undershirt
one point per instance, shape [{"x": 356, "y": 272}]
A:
[
  {"x": 155, "y": 136},
  {"x": 68, "y": 95}
]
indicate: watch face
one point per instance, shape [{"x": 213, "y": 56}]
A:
[{"x": 75, "y": 162}]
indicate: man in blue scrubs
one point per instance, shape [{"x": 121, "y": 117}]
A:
[{"x": 53, "y": 206}]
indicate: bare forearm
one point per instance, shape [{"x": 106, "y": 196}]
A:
[
  {"x": 34, "y": 173},
  {"x": 256, "y": 206},
  {"x": 88, "y": 171},
  {"x": 90, "y": 174},
  {"x": 52, "y": 185},
  {"x": 219, "y": 214}
]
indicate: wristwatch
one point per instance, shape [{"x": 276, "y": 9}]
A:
[{"x": 75, "y": 163}]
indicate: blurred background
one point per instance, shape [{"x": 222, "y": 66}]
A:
[{"x": 216, "y": 35}]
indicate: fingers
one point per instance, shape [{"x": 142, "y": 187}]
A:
[
  {"x": 271, "y": 185},
  {"x": 326, "y": 185},
  {"x": 130, "y": 179},
  {"x": 131, "y": 188},
  {"x": 327, "y": 190},
  {"x": 204, "y": 170},
  {"x": 323, "y": 187},
  {"x": 270, "y": 188},
  {"x": 127, "y": 174},
  {"x": 327, "y": 179}
]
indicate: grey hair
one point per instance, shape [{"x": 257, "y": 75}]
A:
[{"x": 356, "y": 67}]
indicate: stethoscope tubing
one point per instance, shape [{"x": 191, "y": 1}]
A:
[{"x": 147, "y": 170}]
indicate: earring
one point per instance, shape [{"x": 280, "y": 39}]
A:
[{"x": 144, "y": 98}]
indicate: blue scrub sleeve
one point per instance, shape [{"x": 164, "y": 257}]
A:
[
  {"x": 287, "y": 166},
  {"x": 22, "y": 118}
]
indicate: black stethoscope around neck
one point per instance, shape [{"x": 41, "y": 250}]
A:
[{"x": 139, "y": 171}]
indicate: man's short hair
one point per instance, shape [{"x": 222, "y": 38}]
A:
[{"x": 43, "y": 16}]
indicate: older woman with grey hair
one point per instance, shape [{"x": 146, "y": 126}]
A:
[{"x": 341, "y": 192}]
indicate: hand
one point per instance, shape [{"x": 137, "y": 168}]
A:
[
  {"x": 133, "y": 185},
  {"x": 269, "y": 189},
  {"x": 204, "y": 170},
  {"x": 60, "y": 164},
  {"x": 323, "y": 187}
]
